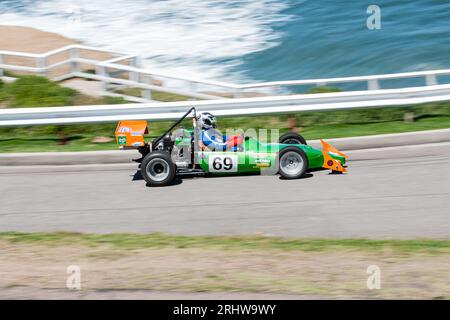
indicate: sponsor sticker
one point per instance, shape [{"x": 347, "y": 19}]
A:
[
  {"x": 124, "y": 129},
  {"x": 122, "y": 140},
  {"x": 262, "y": 163}
]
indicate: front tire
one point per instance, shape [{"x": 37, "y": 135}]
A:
[
  {"x": 292, "y": 163},
  {"x": 292, "y": 138},
  {"x": 157, "y": 169}
]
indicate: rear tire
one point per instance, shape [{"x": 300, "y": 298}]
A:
[
  {"x": 145, "y": 150},
  {"x": 157, "y": 169},
  {"x": 292, "y": 138},
  {"x": 292, "y": 163}
]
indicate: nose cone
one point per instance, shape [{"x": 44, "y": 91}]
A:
[{"x": 337, "y": 157}]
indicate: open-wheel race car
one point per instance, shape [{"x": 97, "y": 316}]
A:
[{"x": 203, "y": 150}]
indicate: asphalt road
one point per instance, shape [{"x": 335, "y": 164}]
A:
[{"x": 401, "y": 192}]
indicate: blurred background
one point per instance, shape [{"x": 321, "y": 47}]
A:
[
  {"x": 245, "y": 41},
  {"x": 78, "y": 224}
]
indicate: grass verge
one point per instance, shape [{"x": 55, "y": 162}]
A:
[
  {"x": 82, "y": 137},
  {"x": 157, "y": 240}
]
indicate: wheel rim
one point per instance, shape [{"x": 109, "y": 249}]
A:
[
  {"x": 291, "y": 163},
  {"x": 158, "y": 169}
]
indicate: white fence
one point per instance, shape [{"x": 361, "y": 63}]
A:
[{"x": 119, "y": 71}]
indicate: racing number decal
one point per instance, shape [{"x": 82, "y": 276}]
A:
[{"x": 223, "y": 163}]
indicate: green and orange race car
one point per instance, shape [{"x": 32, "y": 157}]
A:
[{"x": 182, "y": 151}]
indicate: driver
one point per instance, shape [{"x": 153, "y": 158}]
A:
[{"x": 212, "y": 138}]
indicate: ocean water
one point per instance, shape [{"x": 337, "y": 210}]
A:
[{"x": 246, "y": 41}]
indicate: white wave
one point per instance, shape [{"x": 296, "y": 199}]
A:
[{"x": 195, "y": 38}]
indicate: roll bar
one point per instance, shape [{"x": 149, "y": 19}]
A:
[{"x": 155, "y": 141}]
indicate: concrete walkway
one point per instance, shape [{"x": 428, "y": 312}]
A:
[{"x": 89, "y": 88}]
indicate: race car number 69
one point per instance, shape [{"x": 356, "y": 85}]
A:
[{"x": 223, "y": 163}]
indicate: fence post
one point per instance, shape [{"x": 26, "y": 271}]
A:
[
  {"x": 134, "y": 76},
  {"x": 1, "y": 62},
  {"x": 74, "y": 55},
  {"x": 135, "y": 62},
  {"x": 373, "y": 84},
  {"x": 147, "y": 93},
  {"x": 42, "y": 63},
  {"x": 101, "y": 71},
  {"x": 431, "y": 80}
]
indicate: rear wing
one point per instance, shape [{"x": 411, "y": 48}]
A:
[{"x": 130, "y": 133}]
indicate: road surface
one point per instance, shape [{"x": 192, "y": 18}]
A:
[{"x": 401, "y": 192}]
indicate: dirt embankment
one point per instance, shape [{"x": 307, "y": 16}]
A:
[
  {"x": 40, "y": 272},
  {"x": 25, "y": 39},
  {"x": 30, "y": 40}
]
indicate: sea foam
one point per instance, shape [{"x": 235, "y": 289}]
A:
[{"x": 192, "y": 38}]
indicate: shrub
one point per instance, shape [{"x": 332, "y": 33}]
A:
[
  {"x": 2, "y": 91},
  {"x": 35, "y": 91}
]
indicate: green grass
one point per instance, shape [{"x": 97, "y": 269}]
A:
[
  {"x": 52, "y": 144},
  {"x": 80, "y": 137},
  {"x": 30, "y": 91},
  {"x": 33, "y": 91},
  {"x": 157, "y": 240},
  {"x": 324, "y": 90},
  {"x": 354, "y": 130},
  {"x": 2, "y": 91}
]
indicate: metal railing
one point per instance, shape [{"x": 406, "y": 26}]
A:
[
  {"x": 121, "y": 71},
  {"x": 225, "y": 107}
]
